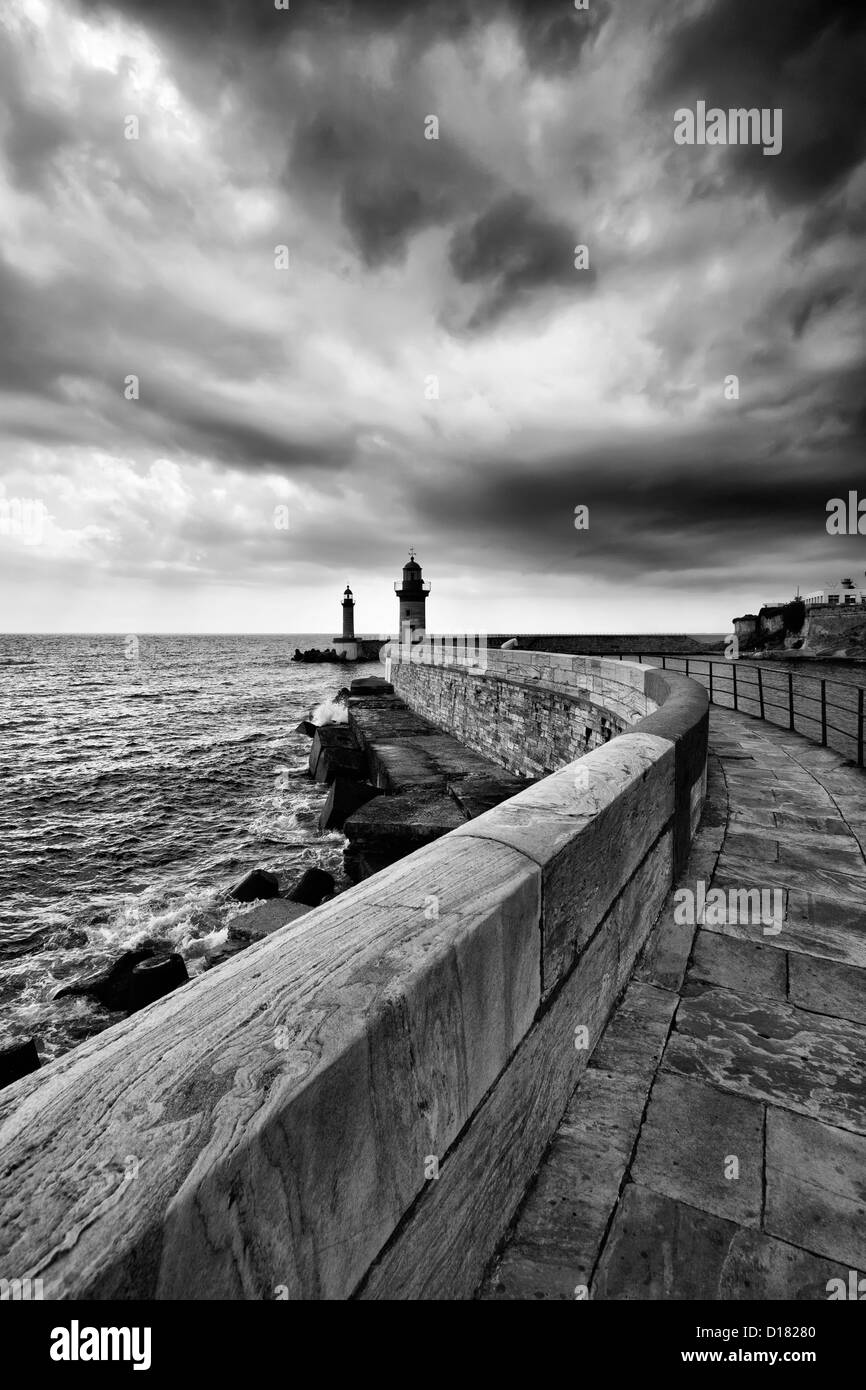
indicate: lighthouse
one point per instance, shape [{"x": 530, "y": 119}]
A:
[
  {"x": 348, "y": 616},
  {"x": 411, "y": 593},
  {"x": 347, "y": 642}
]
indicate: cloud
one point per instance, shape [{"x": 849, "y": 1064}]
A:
[
  {"x": 414, "y": 259},
  {"x": 804, "y": 58},
  {"x": 512, "y": 249}
]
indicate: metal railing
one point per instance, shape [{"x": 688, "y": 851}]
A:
[{"x": 789, "y": 699}]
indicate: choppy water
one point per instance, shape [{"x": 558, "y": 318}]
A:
[{"x": 135, "y": 793}]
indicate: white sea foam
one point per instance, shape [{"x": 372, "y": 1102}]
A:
[{"x": 330, "y": 712}]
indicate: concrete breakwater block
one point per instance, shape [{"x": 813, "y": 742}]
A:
[
  {"x": 372, "y": 684},
  {"x": 261, "y": 883},
  {"x": 327, "y": 739},
  {"x": 307, "y": 727},
  {"x": 155, "y": 977},
  {"x": 344, "y": 797},
  {"x": 390, "y": 827},
  {"x": 111, "y": 987},
  {"x": 339, "y": 761},
  {"x": 18, "y": 1060},
  {"x": 263, "y": 920},
  {"x": 312, "y": 887}
]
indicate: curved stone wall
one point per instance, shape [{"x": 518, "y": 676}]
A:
[
  {"x": 354, "y": 1106},
  {"x": 530, "y": 711}
]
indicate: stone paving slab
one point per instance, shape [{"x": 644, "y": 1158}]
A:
[
  {"x": 772, "y": 1051},
  {"x": 730, "y": 1043},
  {"x": 742, "y": 966},
  {"x": 663, "y": 1249},
  {"x": 816, "y": 1186},
  {"x": 827, "y": 987},
  {"x": 693, "y": 1137}
]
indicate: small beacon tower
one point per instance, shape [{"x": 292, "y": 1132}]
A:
[
  {"x": 347, "y": 642},
  {"x": 411, "y": 593}
]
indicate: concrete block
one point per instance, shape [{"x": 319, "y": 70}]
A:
[{"x": 588, "y": 827}]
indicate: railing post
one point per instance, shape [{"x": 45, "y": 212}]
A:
[
  {"x": 860, "y": 726},
  {"x": 664, "y": 663},
  {"x": 791, "y": 699},
  {"x": 687, "y": 666},
  {"x": 711, "y": 682},
  {"x": 824, "y": 713},
  {"x": 734, "y": 672},
  {"x": 761, "y": 691}
]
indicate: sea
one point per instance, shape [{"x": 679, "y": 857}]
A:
[{"x": 142, "y": 778}]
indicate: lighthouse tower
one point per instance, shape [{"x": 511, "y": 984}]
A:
[
  {"x": 347, "y": 642},
  {"x": 411, "y": 593},
  {"x": 348, "y": 615}
]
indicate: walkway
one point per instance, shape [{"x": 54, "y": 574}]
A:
[{"x": 715, "y": 1146}]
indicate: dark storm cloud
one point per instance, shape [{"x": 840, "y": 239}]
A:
[
  {"x": 511, "y": 249},
  {"x": 374, "y": 157},
  {"x": 553, "y": 32},
  {"x": 707, "y": 508},
  {"x": 804, "y": 57}
]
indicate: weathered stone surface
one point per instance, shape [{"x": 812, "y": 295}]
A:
[
  {"x": 261, "y": 883},
  {"x": 827, "y": 987},
  {"x": 285, "y": 1105},
  {"x": 816, "y": 1186},
  {"x": 446, "y": 1241},
  {"x": 263, "y": 919},
  {"x": 621, "y": 795},
  {"x": 771, "y": 1051},
  {"x": 742, "y": 966},
  {"x": 663, "y": 1249},
  {"x": 689, "y": 1141}
]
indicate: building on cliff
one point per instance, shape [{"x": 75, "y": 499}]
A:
[{"x": 841, "y": 595}]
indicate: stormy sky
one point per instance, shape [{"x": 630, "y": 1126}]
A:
[{"x": 430, "y": 368}]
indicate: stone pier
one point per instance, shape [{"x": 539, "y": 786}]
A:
[{"x": 715, "y": 1148}]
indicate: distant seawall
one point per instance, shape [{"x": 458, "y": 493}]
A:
[{"x": 354, "y": 1106}]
